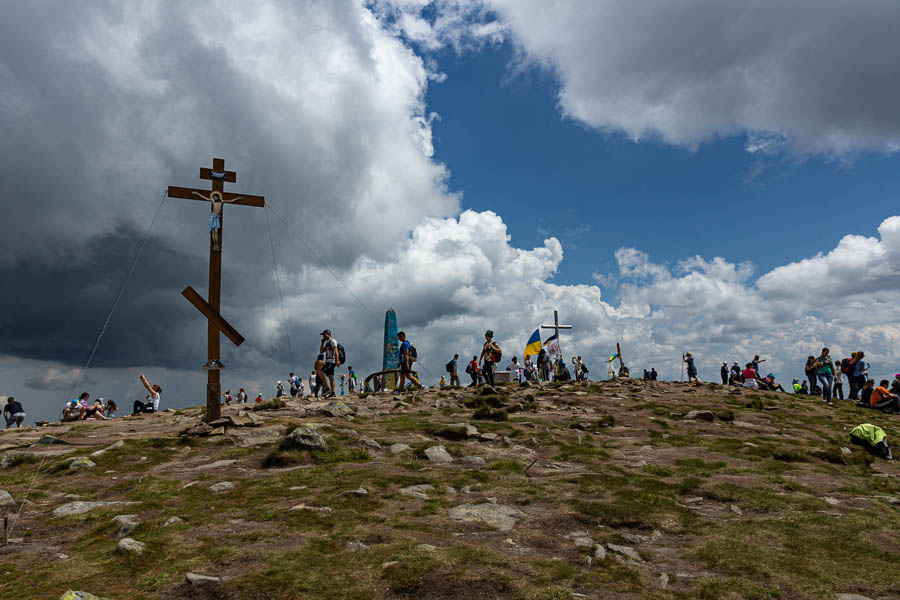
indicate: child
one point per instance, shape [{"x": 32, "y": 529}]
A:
[
  {"x": 259, "y": 397},
  {"x": 342, "y": 384}
]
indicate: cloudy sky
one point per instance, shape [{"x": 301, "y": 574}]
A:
[{"x": 694, "y": 175}]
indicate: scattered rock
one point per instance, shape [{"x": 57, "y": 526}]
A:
[
  {"x": 489, "y": 437},
  {"x": 80, "y": 507},
  {"x": 222, "y": 486},
  {"x": 370, "y": 443},
  {"x": 583, "y": 542},
  {"x": 599, "y": 552},
  {"x": 335, "y": 408},
  {"x": 73, "y": 595},
  {"x": 200, "y": 429},
  {"x": 81, "y": 462},
  {"x": 499, "y": 516},
  {"x": 425, "y": 548},
  {"x": 6, "y": 499},
  {"x": 625, "y": 551},
  {"x": 703, "y": 415},
  {"x": 173, "y": 521},
  {"x": 61, "y": 556},
  {"x": 360, "y": 491},
  {"x": 633, "y": 538},
  {"x": 389, "y": 563},
  {"x": 51, "y": 439},
  {"x": 399, "y": 448},
  {"x": 846, "y": 451},
  {"x": 693, "y": 500},
  {"x": 304, "y": 438},
  {"x": 663, "y": 580},
  {"x": 127, "y": 524},
  {"x": 439, "y": 455},
  {"x": 831, "y": 501},
  {"x": 197, "y": 579},
  {"x": 737, "y": 510},
  {"x": 355, "y": 546},
  {"x": 324, "y": 510},
  {"x": 417, "y": 491},
  {"x": 131, "y": 546},
  {"x": 475, "y": 461},
  {"x": 103, "y": 451},
  {"x": 851, "y": 597},
  {"x": 889, "y": 499},
  {"x": 219, "y": 464}
]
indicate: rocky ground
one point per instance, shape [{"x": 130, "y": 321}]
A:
[{"x": 622, "y": 489}]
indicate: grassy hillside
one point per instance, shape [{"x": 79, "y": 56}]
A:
[{"x": 609, "y": 490}]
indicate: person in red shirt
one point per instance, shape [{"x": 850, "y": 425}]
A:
[
  {"x": 472, "y": 370},
  {"x": 882, "y": 399}
]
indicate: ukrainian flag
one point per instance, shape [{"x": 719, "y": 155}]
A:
[{"x": 533, "y": 347}]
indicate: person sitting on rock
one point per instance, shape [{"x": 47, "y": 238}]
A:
[
  {"x": 151, "y": 405},
  {"x": 13, "y": 413},
  {"x": 770, "y": 383},
  {"x": 95, "y": 411},
  {"x": 865, "y": 392},
  {"x": 74, "y": 408},
  {"x": 882, "y": 399},
  {"x": 111, "y": 409}
]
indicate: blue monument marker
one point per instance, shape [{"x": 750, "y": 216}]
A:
[{"x": 391, "y": 343}]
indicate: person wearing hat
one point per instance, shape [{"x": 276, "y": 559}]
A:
[
  {"x": 75, "y": 408},
  {"x": 279, "y": 389},
  {"x": 329, "y": 347},
  {"x": 691, "y": 367},
  {"x": 724, "y": 372},
  {"x": 490, "y": 355}
]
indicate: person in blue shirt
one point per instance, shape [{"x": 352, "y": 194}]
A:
[
  {"x": 691, "y": 367},
  {"x": 405, "y": 364}
]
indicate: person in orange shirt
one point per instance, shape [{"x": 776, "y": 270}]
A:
[{"x": 882, "y": 399}]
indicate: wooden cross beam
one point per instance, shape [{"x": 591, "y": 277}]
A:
[
  {"x": 216, "y": 324},
  {"x": 556, "y": 326}
]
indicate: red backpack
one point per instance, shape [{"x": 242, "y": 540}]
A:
[{"x": 845, "y": 366}]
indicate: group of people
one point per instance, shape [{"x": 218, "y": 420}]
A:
[
  {"x": 750, "y": 376},
  {"x": 82, "y": 409}
]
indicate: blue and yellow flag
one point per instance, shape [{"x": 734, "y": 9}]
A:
[{"x": 533, "y": 346}]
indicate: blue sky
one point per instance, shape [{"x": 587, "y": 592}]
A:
[{"x": 509, "y": 150}]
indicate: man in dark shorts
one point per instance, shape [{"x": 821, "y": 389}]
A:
[
  {"x": 13, "y": 413},
  {"x": 405, "y": 363},
  {"x": 329, "y": 347}
]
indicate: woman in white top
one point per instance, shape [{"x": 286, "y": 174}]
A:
[{"x": 152, "y": 403}]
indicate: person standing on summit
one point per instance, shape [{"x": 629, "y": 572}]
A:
[
  {"x": 691, "y": 367},
  {"x": 490, "y": 354},
  {"x": 329, "y": 347}
]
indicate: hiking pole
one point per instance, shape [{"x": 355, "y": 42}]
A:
[{"x": 682, "y": 369}]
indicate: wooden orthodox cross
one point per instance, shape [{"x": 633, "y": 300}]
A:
[
  {"x": 217, "y": 197},
  {"x": 556, "y": 327}
]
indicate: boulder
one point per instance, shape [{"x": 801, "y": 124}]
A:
[
  {"x": 599, "y": 552},
  {"x": 172, "y": 521},
  {"x": 355, "y": 546},
  {"x": 304, "y": 438},
  {"x": 73, "y": 595},
  {"x": 625, "y": 551},
  {"x": 130, "y": 546},
  {"x": 126, "y": 523},
  {"x": 197, "y": 579},
  {"x": 219, "y": 464},
  {"x": 335, "y": 408},
  {"x": 103, "y": 451},
  {"x": 399, "y": 448},
  {"x": 498, "y": 516},
  {"x": 80, "y": 507},
  {"x": 439, "y": 455},
  {"x": 370, "y": 443},
  {"x": 80, "y": 462},
  {"x": 425, "y": 548},
  {"x": 222, "y": 486},
  {"x": 417, "y": 491},
  {"x": 702, "y": 415},
  {"x": 6, "y": 499},
  {"x": 475, "y": 461},
  {"x": 851, "y": 597}
]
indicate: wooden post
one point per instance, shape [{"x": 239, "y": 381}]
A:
[{"x": 211, "y": 308}]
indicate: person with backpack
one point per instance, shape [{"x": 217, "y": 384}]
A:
[
  {"x": 330, "y": 348},
  {"x": 490, "y": 355},
  {"x": 724, "y": 373},
  {"x": 472, "y": 370},
  {"x": 810, "y": 371},
  {"x": 544, "y": 365},
  {"x": 408, "y": 355},
  {"x": 825, "y": 374},
  {"x": 873, "y": 439},
  {"x": 452, "y": 367},
  {"x": 858, "y": 371}
]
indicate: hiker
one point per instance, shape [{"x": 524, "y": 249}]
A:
[
  {"x": 279, "y": 389},
  {"x": 293, "y": 381},
  {"x": 490, "y": 355},
  {"x": 691, "y": 367},
  {"x": 838, "y": 389},
  {"x": 770, "y": 383},
  {"x": 111, "y": 409},
  {"x": 529, "y": 368},
  {"x": 544, "y": 365},
  {"x": 472, "y": 370},
  {"x": 442, "y": 382},
  {"x": 576, "y": 366},
  {"x": 798, "y": 389},
  {"x": 810, "y": 370},
  {"x": 804, "y": 389},
  {"x": 228, "y": 398},
  {"x": 882, "y": 399},
  {"x": 755, "y": 362},
  {"x": 865, "y": 393},
  {"x": 871, "y": 438},
  {"x": 242, "y": 396},
  {"x": 724, "y": 373},
  {"x": 329, "y": 346},
  {"x": 259, "y": 397},
  {"x": 75, "y": 407},
  {"x": 94, "y": 411},
  {"x": 320, "y": 376},
  {"x": 407, "y": 357},
  {"x": 342, "y": 384},
  {"x": 562, "y": 373},
  {"x": 751, "y": 377},
  {"x": 453, "y": 370},
  {"x": 895, "y": 384},
  {"x": 736, "y": 371},
  {"x": 825, "y": 373},
  {"x": 13, "y": 413},
  {"x": 653, "y": 374},
  {"x": 351, "y": 380},
  {"x": 152, "y": 402},
  {"x": 858, "y": 368},
  {"x": 646, "y": 375},
  {"x": 313, "y": 390},
  {"x": 515, "y": 369}
]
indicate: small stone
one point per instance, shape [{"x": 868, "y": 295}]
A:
[
  {"x": 324, "y": 510},
  {"x": 73, "y": 595},
  {"x": 103, "y": 451},
  {"x": 736, "y": 510},
  {"x": 475, "y": 461},
  {"x": 632, "y": 538},
  {"x": 222, "y": 486},
  {"x": 831, "y": 501},
  {"x": 79, "y": 507},
  {"x": 439, "y": 455},
  {"x": 297, "y": 488},
  {"x": 131, "y": 546},
  {"x": 846, "y": 451},
  {"x": 450, "y": 489},
  {"x": 355, "y": 546},
  {"x": 426, "y": 548},
  {"x": 370, "y": 443},
  {"x": 399, "y": 448},
  {"x": 173, "y": 521},
  {"x": 197, "y": 579},
  {"x": 389, "y": 563},
  {"x": 599, "y": 552},
  {"x": 335, "y": 408},
  {"x": 693, "y": 500},
  {"x": 81, "y": 462},
  {"x": 663, "y": 580},
  {"x": 350, "y": 432},
  {"x": 499, "y": 516},
  {"x": 219, "y": 464},
  {"x": 127, "y": 524},
  {"x": 61, "y": 556},
  {"x": 489, "y": 437},
  {"x": 304, "y": 438},
  {"x": 851, "y": 597},
  {"x": 6, "y": 499},
  {"x": 583, "y": 542},
  {"x": 417, "y": 491},
  {"x": 625, "y": 551}
]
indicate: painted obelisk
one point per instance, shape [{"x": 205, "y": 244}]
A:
[{"x": 391, "y": 348}]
